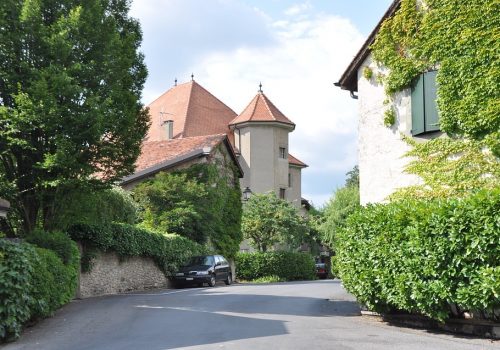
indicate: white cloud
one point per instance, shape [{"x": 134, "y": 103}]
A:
[{"x": 298, "y": 9}]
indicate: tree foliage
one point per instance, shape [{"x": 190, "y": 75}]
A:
[
  {"x": 268, "y": 220},
  {"x": 344, "y": 202},
  {"x": 450, "y": 168},
  {"x": 70, "y": 85},
  {"x": 200, "y": 203}
]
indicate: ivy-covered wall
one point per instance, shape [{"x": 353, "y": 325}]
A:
[
  {"x": 201, "y": 202},
  {"x": 460, "y": 40}
]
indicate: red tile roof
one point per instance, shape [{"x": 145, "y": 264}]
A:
[
  {"x": 261, "y": 109},
  {"x": 156, "y": 152},
  {"x": 294, "y": 161},
  {"x": 194, "y": 110}
]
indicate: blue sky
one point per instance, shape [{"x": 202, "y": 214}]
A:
[{"x": 298, "y": 49}]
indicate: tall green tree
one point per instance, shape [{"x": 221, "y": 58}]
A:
[
  {"x": 268, "y": 220},
  {"x": 344, "y": 202},
  {"x": 71, "y": 79}
]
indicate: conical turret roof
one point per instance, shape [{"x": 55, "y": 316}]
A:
[{"x": 261, "y": 109}]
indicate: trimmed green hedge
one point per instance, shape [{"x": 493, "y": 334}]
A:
[
  {"x": 169, "y": 251},
  {"x": 431, "y": 257},
  {"x": 285, "y": 265},
  {"x": 34, "y": 282}
]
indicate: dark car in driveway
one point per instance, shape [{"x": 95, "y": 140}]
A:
[
  {"x": 204, "y": 269},
  {"x": 321, "y": 271}
]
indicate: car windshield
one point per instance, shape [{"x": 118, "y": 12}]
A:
[{"x": 201, "y": 260}]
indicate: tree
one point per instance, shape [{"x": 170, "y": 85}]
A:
[
  {"x": 71, "y": 79},
  {"x": 268, "y": 220},
  {"x": 352, "y": 177},
  {"x": 343, "y": 203},
  {"x": 170, "y": 205}
]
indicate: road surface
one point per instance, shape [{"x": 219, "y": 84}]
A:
[{"x": 298, "y": 315}]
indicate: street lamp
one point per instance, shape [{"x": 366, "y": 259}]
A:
[{"x": 247, "y": 193}]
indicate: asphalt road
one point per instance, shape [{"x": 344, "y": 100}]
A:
[{"x": 302, "y": 315}]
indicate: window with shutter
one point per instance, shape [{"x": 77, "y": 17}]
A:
[{"x": 424, "y": 113}]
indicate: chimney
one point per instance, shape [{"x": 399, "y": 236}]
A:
[{"x": 169, "y": 129}]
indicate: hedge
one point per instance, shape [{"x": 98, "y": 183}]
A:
[
  {"x": 34, "y": 282},
  {"x": 284, "y": 265},
  {"x": 169, "y": 251},
  {"x": 431, "y": 257}
]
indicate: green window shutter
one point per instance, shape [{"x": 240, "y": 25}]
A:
[
  {"x": 417, "y": 107},
  {"x": 430, "y": 97}
]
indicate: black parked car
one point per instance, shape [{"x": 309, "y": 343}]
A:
[
  {"x": 321, "y": 271},
  {"x": 204, "y": 269}
]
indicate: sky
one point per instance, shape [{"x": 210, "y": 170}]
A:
[{"x": 297, "y": 49}]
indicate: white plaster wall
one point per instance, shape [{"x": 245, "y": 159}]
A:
[
  {"x": 294, "y": 192},
  {"x": 280, "y": 164},
  {"x": 381, "y": 149}
]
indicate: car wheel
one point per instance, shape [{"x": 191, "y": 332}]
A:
[
  {"x": 211, "y": 283},
  {"x": 229, "y": 279}
]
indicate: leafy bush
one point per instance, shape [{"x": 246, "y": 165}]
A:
[
  {"x": 169, "y": 251},
  {"x": 424, "y": 255},
  {"x": 288, "y": 266},
  {"x": 16, "y": 273},
  {"x": 334, "y": 270},
  {"x": 91, "y": 206},
  {"x": 34, "y": 282},
  {"x": 58, "y": 247}
]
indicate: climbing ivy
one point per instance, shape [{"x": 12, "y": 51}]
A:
[{"x": 462, "y": 40}]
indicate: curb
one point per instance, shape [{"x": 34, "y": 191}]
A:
[{"x": 481, "y": 328}]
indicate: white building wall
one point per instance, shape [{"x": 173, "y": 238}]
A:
[
  {"x": 294, "y": 192},
  {"x": 381, "y": 149}
]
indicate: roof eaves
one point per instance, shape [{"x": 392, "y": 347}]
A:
[
  {"x": 349, "y": 79},
  {"x": 201, "y": 152},
  {"x": 296, "y": 165}
]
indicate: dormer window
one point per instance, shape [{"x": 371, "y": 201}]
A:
[
  {"x": 282, "y": 154},
  {"x": 424, "y": 112}
]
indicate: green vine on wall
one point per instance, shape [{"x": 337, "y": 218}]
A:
[{"x": 460, "y": 39}]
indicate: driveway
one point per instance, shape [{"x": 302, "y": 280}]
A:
[{"x": 298, "y": 315}]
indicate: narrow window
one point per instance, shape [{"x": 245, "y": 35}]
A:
[
  {"x": 289, "y": 180},
  {"x": 424, "y": 113},
  {"x": 282, "y": 193},
  {"x": 283, "y": 152}
]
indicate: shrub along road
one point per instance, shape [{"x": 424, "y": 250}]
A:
[{"x": 297, "y": 315}]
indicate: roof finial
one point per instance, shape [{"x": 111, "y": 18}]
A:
[
  {"x": 260, "y": 87},
  {"x": 192, "y": 76},
  {"x": 175, "y": 82}
]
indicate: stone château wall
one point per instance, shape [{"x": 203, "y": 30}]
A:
[{"x": 111, "y": 275}]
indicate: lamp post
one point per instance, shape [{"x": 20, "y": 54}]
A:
[{"x": 247, "y": 193}]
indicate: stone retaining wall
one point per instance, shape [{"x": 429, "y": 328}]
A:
[{"x": 111, "y": 275}]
